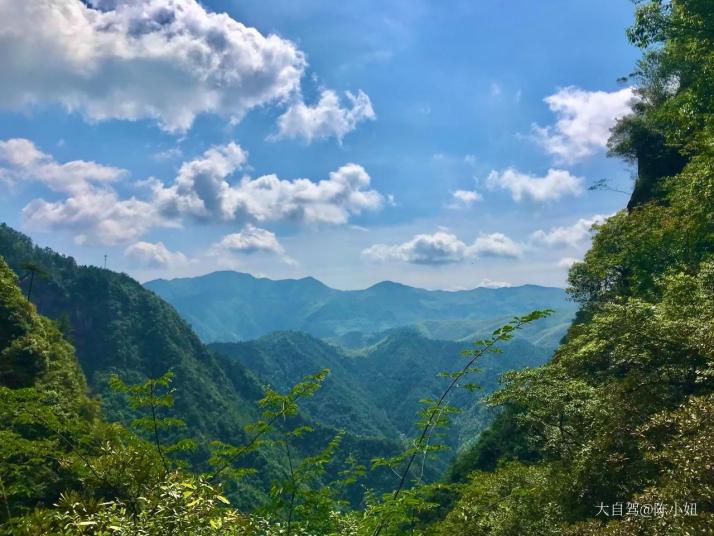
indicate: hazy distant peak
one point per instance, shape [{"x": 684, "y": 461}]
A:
[{"x": 385, "y": 285}]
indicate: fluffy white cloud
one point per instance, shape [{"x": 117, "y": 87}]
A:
[
  {"x": 464, "y": 198},
  {"x": 573, "y": 235},
  {"x": 20, "y": 159},
  {"x": 495, "y": 245},
  {"x": 250, "y": 239},
  {"x": 443, "y": 247},
  {"x": 91, "y": 208},
  {"x": 555, "y": 184},
  {"x": 96, "y": 216},
  {"x": 95, "y": 211},
  {"x": 438, "y": 248},
  {"x": 167, "y": 60},
  {"x": 327, "y": 118},
  {"x": 154, "y": 255},
  {"x": 201, "y": 190},
  {"x": 583, "y": 121}
]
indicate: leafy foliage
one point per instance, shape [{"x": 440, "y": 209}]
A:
[{"x": 622, "y": 412}]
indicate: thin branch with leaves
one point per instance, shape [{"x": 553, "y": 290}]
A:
[{"x": 432, "y": 416}]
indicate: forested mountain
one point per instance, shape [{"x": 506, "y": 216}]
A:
[
  {"x": 359, "y": 395},
  {"x": 42, "y": 393},
  {"x": 232, "y": 306},
  {"x": 117, "y": 326}
]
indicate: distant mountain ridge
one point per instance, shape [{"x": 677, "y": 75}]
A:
[{"x": 232, "y": 306}]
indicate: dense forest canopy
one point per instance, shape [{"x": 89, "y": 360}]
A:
[{"x": 613, "y": 436}]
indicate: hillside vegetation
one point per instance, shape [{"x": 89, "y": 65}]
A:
[
  {"x": 612, "y": 436},
  {"x": 359, "y": 395}
]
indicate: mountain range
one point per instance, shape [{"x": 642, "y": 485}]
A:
[{"x": 231, "y": 306}]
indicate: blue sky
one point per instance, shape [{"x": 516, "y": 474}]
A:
[{"x": 443, "y": 145}]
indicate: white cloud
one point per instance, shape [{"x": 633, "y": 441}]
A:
[
  {"x": 464, "y": 198},
  {"x": 438, "y": 248},
  {"x": 490, "y": 283},
  {"x": 154, "y": 255},
  {"x": 166, "y": 60},
  {"x": 583, "y": 121},
  {"x": 327, "y": 118},
  {"x": 443, "y": 247},
  {"x": 573, "y": 235},
  {"x": 95, "y": 211},
  {"x": 96, "y": 216},
  {"x": 495, "y": 245},
  {"x": 202, "y": 191},
  {"x": 249, "y": 240},
  {"x": 91, "y": 208},
  {"x": 20, "y": 159},
  {"x": 555, "y": 184},
  {"x": 567, "y": 262}
]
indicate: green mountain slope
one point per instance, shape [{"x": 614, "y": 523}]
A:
[
  {"x": 45, "y": 409},
  {"x": 118, "y": 326},
  {"x": 231, "y": 306},
  {"x": 377, "y": 389}
]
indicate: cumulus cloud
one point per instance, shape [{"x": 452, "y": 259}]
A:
[
  {"x": 165, "y": 60},
  {"x": 155, "y": 255},
  {"x": 495, "y": 245},
  {"x": 443, "y": 247},
  {"x": 583, "y": 121},
  {"x": 200, "y": 190},
  {"x": 96, "y": 216},
  {"x": 251, "y": 239},
  {"x": 573, "y": 235},
  {"x": 203, "y": 191},
  {"x": 20, "y": 159},
  {"x": 464, "y": 198},
  {"x": 91, "y": 207},
  {"x": 326, "y": 119},
  {"x": 556, "y": 183},
  {"x": 438, "y": 248}
]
